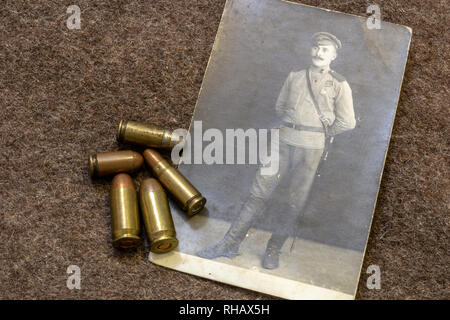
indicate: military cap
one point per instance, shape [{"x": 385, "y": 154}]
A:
[{"x": 326, "y": 38}]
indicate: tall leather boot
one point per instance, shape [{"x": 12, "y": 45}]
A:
[
  {"x": 229, "y": 245},
  {"x": 273, "y": 250}
]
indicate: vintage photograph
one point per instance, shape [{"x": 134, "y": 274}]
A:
[{"x": 324, "y": 86}]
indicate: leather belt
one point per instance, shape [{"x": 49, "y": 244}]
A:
[{"x": 303, "y": 128}]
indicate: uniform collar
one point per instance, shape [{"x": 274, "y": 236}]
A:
[{"x": 322, "y": 70}]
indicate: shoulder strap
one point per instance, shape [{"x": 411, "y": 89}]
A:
[
  {"x": 313, "y": 97},
  {"x": 337, "y": 76}
]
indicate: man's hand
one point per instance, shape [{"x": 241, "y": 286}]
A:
[{"x": 325, "y": 121}]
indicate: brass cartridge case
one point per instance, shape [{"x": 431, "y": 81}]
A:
[
  {"x": 109, "y": 163},
  {"x": 124, "y": 212},
  {"x": 190, "y": 199},
  {"x": 157, "y": 218},
  {"x": 146, "y": 135}
]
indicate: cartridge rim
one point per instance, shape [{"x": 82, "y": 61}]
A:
[
  {"x": 196, "y": 205},
  {"x": 93, "y": 165},
  {"x": 127, "y": 241},
  {"x": 121, "y": 130},
  {"x": 163, "y": 245}
]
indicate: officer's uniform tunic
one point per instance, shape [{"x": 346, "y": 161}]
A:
[{"x": 300, "y": 150}]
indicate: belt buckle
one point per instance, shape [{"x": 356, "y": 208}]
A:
[{"x": 293, "y": 126}]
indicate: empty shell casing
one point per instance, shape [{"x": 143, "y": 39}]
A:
[
  {"x": 146, "y": 135},
  {"x": 108, "y": 163},
  {"x": 157, "y": 218},
  {"x": 124, "y": 212},
  {"x": 190, "y": 199}
]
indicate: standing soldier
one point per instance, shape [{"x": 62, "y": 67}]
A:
[{"x": 314, "y": 104}]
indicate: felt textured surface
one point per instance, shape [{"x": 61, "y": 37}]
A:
[{"x": 64, "y": 91}]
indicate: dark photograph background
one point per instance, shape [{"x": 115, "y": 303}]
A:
[{"x": 63, "y": 93}]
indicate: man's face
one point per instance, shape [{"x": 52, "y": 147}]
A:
[{"x": 322, "y": 55}]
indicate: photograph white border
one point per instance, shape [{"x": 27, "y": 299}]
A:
[{"x": 245, "y": 278}]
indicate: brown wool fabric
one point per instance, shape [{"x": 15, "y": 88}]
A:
[{"x": 63, "y": 92}]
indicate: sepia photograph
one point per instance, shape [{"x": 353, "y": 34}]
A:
[{"x": 323, "y": 87}]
